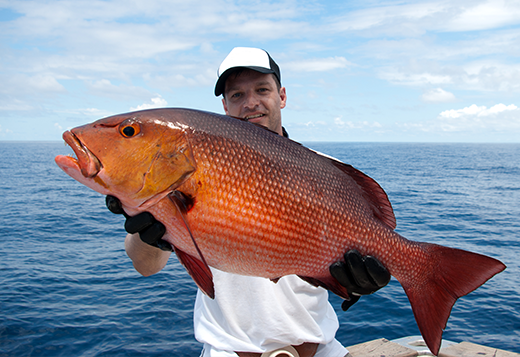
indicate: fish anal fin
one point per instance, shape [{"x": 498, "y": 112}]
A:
[
  {"x": 328, "y": 283},
  {"x": 449, "y": 274},
  {"x": 199, "y": 272},
  {"x": 372, "y": 192}
]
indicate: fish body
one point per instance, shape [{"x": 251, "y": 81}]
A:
[{"x": 244, "y": 200}]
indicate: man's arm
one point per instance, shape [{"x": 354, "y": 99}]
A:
[
  {"x": 144, "y": 244},
  {"x": 147, "y": 259}
]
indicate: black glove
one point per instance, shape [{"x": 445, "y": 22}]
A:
[
  {"x": 360, "y": 275},
  {"x": 150, "y": 230}
]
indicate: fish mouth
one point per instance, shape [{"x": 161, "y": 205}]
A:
[{"x": 88, "y": 163}]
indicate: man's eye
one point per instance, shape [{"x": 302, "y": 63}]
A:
[{"x": 235, "y": 95}]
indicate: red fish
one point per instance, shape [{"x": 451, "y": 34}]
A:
[{"x": 244, "y": 200}]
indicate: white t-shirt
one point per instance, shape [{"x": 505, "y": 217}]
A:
[{"x": 254, "y": 314}]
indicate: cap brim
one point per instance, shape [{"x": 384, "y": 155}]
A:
[{"x": 220, "y": 86}]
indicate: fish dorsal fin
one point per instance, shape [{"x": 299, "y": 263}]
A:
[
  {"x": 197, "y": 268},
  {"x": 371, "y": 191},
  {"x": 256, "y": 124}
]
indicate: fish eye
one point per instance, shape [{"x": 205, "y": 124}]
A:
[
  {"x": 129, "y": 128},
  {"x": 128, "y": 131}
]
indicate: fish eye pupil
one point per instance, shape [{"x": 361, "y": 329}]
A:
[{"x": 128, "y": 131}]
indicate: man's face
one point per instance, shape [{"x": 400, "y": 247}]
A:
[{"x": 254, "y": 96}]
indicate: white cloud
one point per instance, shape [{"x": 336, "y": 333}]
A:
[
  {"x": 84, "y": 112},
  {"x": 97, "y": 19},
  {"x": 5, "y": 131},
  {"x": 157, "y": 102},
  {"x": 340, "y": 124},
  {"x": 481, "y": 111},
  {"x": 45, "y": 83},
  {"x": 263, "y": 29},
  {"x": 95, "y": 112},
  {"x": 472, "y": 123},
  {"x": 15, "y": 105},
  {"x": 417, "y": 18},
  {"x": 483, "y": 76},
  {"x": 451, "y": 48},
  {"x": 318, "y": 64},
  {"x": 499, "y": 118},
  {"x": 193, "y": 77},
  {"x": 405, "y": 77},
  {"x": 487, "y": 15},
  {"x": 30, "y": 83},
  {"x": 105, "y": 88},
  {"x": 490, "y": 76},
  {"x": 438, "y": 95},
  {"x": 388, "y": 17}
]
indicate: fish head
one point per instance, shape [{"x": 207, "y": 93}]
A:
[{"x": 137, "y": 157}]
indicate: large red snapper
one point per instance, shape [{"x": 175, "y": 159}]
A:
[{"x": 244, "y": 200}]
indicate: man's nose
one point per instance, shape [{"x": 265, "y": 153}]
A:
[{"x": 251, "y": 101}]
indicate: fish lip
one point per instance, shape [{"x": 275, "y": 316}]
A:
[{"x": 88, "y": 163}]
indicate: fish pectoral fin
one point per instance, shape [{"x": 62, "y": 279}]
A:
[
  {"x": 199, "y": 272},
  {"x": 196, "y": 267}
]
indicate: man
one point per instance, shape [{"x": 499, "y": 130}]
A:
[{"x": 252, "y": 316}]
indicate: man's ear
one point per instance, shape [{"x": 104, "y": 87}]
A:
[{"x": 283, "y": 98}]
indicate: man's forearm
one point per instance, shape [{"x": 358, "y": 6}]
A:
[{"x": 147, "y": 260}]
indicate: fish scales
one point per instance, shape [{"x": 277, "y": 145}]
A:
[
  {"x": 293, "y": 206},
  {"x": 314, "y": 196},
  {"x": 259, "y": 204}
]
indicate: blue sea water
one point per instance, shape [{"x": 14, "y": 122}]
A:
[{"x": 67, "y": 287}]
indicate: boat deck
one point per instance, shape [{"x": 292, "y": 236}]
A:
[{"x": 414, "y": 346}]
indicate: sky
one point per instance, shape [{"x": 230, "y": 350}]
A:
[{"x": 362, "y": 70}]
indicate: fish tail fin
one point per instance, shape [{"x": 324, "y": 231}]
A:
[{"x": 448, "y": 274}]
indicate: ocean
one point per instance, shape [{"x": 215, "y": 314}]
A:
[{"x": 67, "y": 287}]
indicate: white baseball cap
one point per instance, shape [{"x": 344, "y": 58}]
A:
[{"x": 245, "y": 57}]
